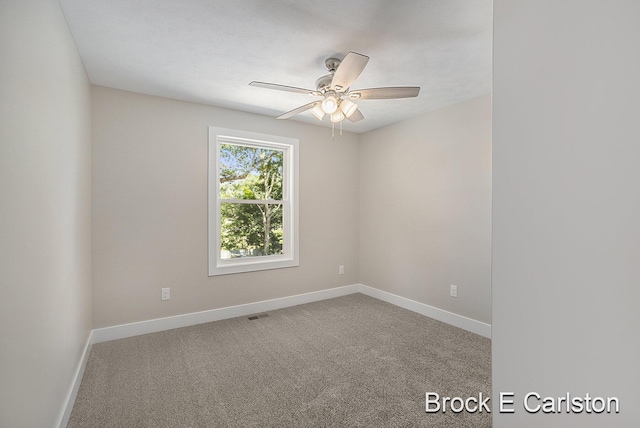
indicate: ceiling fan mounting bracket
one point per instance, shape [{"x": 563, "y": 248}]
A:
[{"x": 332, "y": 64}]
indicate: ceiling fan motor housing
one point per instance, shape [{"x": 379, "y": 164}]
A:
[{"x": 324, "y": 83}]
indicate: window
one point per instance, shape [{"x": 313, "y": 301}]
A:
[{"x": 253, "y": 207}]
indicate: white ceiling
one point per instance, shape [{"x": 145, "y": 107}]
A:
[{"x": 207, "y": 51}]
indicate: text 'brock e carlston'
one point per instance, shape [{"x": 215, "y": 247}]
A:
[{"x": 532, "y": 402}]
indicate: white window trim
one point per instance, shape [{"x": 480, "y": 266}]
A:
[{"x": 290, "y": 258}]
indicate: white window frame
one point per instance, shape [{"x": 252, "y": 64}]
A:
[{"x": 290, "y": 246}]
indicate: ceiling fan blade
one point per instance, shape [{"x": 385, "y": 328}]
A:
[
  {"x": 295, "y": 111},
  {"x": 385, "y": 93},
  {"x": 356, "y": 116},
  {"x": 282, "y": 88},
  {"x": 348, "y": 70}
]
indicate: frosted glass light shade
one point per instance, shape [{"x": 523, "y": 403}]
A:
[
  {"x": 317, "y": 111},
  {"x": 337, "y": 116},
  {"x": 329, "y": 104},
  {"x": 348, "y": 108}
]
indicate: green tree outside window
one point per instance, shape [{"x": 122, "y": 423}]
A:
[{"x": 251, "y": 201}]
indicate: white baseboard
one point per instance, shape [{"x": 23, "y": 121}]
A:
[
  {"x": 161, "y": 324},
  {"x": 456, "y": 320},
  {"x": 63, "y": 420}
]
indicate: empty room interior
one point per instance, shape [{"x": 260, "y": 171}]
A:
[{"x": 279, "y": 214}]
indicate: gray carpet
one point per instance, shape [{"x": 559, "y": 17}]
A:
[{"x": 353, "y": 361}]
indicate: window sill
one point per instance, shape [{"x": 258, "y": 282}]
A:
[{"x": 241, "y": 266}]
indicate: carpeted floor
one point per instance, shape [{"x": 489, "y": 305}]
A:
[{"x": 352, "y": 361}]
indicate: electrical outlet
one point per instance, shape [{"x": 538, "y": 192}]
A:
[
  {"x": 453, "y": 290},
  {"x": 341, "y": 270},
  {"x": 166, "y": 293}
]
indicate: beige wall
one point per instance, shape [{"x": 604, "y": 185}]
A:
[
  {"x": 150, "y": 209},
  {"x": 45, "y": 252},
  {"x": 425, "y": 208},
  {"x": 566, "y": 207}
]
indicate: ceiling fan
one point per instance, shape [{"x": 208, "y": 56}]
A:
[{"x": 336, "y": 93}]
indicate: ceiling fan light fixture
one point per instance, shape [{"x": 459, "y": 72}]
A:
[
  {"x": 317, "y": 111},
  {"x": 329, "y": 104},
  {"x": 348, "y": 108}
]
